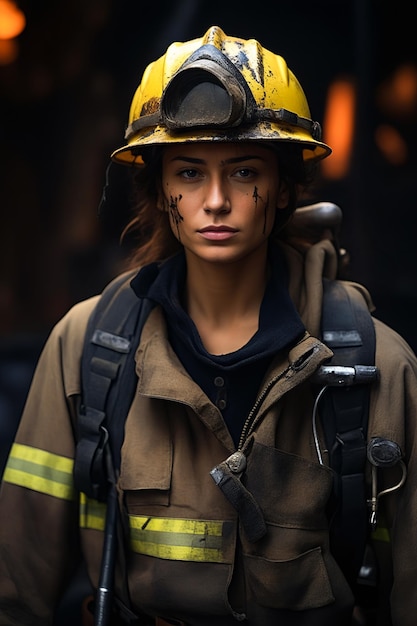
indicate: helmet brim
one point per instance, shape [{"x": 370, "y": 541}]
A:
[{"x": 132, "y": 152}]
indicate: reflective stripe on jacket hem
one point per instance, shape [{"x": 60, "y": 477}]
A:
[
  {"x": 178, "y": 539},
  {"x": 92, "y": 513}
]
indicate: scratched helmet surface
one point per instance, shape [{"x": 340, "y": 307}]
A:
[{"x": 219, "y": 88}]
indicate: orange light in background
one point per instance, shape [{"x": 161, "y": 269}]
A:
[
  {"x": 391, "y": 144},
  {"x": 12, "y": 20},
  {"x": 405, "y": 86},
  {"x": 9, "y": 51},
  {"x": 338, "y": 128},
  {"x": 398, "y": 94}
]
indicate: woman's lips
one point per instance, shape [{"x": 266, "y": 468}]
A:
[{"x": 217, "y": 233}]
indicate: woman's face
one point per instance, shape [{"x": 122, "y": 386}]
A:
[{"x": 221, "y": 198}]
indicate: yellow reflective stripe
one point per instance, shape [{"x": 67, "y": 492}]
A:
[
  {"x": 92, "y": 513},
  {"x": 381, "y": 534},
  {"x": 40, "y": 471},
  {"x": 178, "y": 539}
]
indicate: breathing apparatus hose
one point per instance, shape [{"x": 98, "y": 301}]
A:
[{"x": 104, "y": 596}]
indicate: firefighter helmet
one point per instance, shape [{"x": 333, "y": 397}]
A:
[{"x": 219, "y": 88}]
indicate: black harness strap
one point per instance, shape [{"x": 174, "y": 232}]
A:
[
  {"x": 348, "y": 329},
  {"x": 112, "y": 337}
]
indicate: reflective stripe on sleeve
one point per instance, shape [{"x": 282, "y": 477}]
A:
[
  {"x": 179, "y": 539},
  {"x": 41, "y": 471}
]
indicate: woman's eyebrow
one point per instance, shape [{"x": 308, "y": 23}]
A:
[
  {"x": 188, "y": 159},
  {"x": 238, "y": 159},
  {"x": 241, "y": 159}
]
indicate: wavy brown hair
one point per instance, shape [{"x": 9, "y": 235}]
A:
[{"x": 149, "y": 229}]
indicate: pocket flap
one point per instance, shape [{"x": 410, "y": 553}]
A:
[{"x": 146, "y": 461}]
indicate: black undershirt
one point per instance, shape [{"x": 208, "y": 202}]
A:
[{"x": 231, "y": 381}]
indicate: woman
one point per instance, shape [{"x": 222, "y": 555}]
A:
[{"x": 224, "y": 486}]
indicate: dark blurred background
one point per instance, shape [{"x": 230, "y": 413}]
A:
[{"x": 66, "y": 82}]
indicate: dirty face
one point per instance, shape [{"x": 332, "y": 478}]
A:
[{"x": 221, "y": 198}]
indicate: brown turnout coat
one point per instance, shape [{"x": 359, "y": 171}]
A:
[{"x": 190, "y": 557}]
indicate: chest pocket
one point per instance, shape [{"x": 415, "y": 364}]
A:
[
  {"x": 290, "y": 567},
  {"x": 146, "y": 460}
]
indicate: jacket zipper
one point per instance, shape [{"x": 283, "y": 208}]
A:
[{"x": 250, "y": 421}]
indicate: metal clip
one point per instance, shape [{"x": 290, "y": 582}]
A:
[
  {"x": 383, "y": 453},
  {"x": 236, "y": 462}
]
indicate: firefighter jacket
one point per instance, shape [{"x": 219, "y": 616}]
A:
[{"x": 256, "y": 552}]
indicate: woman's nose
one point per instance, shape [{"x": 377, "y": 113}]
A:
[{"x": 217, "y": 200}]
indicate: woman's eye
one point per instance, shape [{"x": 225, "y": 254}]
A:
[
  {"x": 189, "y": 173},
  {"x": 244, "y": 172}
]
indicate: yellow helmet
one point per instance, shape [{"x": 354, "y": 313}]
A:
[{"x": 219, "y": 88}]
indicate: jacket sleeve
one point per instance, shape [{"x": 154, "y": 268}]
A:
[
  {"x": 38, "y": 504},
  {"x": 394, "y": 416}
]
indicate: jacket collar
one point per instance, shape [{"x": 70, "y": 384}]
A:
[{"x": 280, "y": 325}]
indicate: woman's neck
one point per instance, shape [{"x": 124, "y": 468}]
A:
[{"x": 224, "y": 300}]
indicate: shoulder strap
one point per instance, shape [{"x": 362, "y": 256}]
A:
[
  {"x": 348, "y": 329},
  {"x": 112, "y": 336}
]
